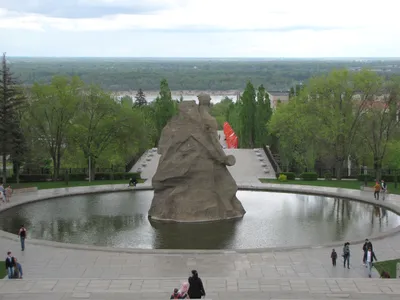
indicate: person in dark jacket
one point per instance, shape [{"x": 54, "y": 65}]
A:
[
  {"x": 10, "y": 265},
  {"x": 365, "y": 247},
  {"x": 196, "y": 288},
  {"x": 333, "y": 257}
]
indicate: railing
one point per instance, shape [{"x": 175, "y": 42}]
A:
[{"x": 272, "y": 160}]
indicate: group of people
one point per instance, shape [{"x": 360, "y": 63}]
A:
[
  {"x": 192, "y": 289},
  {"x": 13, "y": 267},
  {"x": 368, "y": 257},
  {"x": 380, "y": 187},
  {"x": 5, "y": 193}
]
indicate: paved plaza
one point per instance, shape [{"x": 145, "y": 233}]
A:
[{"x": 68, "y": 273}]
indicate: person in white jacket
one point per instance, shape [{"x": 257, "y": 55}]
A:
[{"x": 370, "y": 259}]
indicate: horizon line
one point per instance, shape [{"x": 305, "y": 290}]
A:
[{"x": 216, "y": 57}]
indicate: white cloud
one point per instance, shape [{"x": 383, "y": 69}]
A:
[{"x": 269, "y": 28}]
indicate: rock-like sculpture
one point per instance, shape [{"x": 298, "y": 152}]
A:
[{"x": 192, "y": 182}]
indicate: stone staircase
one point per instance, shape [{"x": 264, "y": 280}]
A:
[
  {"x": 251, "y": 164},
  {"x": 216, "y": 288}
]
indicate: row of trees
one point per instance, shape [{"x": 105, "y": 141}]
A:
[
  {"x": 329, "y": 120},
  {"x": 339, "y": 116},
  {"x": 68, "y": 123}
]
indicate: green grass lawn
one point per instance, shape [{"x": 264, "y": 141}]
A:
[
  {"x": 345, "y": 184},
  {"x": 388, "y": 266},
  {"x": 62, "y": 184},
  {"x": 3, "y": 272}
]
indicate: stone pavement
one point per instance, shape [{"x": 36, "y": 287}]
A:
[
  {"x": 250, "y": 164},
  {"x": 216, "y": 289},
  {"x": 60, "y": 273}
]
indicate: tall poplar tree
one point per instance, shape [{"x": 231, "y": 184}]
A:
[
  {"x": 247, "y": 115},
  {"x": 164, "y": 107},
  {"x": 262, "y": 116},
  {"x": 11, "y": 100}
]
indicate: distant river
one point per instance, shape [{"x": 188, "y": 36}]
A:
[{"x": 215, "y": 98}]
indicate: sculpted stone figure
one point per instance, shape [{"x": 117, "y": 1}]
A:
[{"x": 192, "y": 182}]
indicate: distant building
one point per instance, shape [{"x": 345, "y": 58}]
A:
[{"x": 278, "y": 96}]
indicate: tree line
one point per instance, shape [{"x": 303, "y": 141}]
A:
[
  {"x": 125, "y": 74},
  {"x": 330, "y": 119},
  {"x": 67, "y": 123}
]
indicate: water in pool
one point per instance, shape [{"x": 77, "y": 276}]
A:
[{"x": 272, "y": 219}]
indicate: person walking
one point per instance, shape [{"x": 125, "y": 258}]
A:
[
  {"x": 365, "y": 247},
  {"x": 9, "y": 265},
  {"x": 8, "y": 193},
  {"x": 196, "y": 288},
  {"x": 333, "y": 257},
  {"x": 346, "y": 255},
  {"x": 383, "y": 189},
  {"x": 22, "y": 236},
  {"x": 370, "y": 259},
  {"x": 377, "y": 189}
]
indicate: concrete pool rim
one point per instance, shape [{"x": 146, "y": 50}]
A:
[{"x": 346, "y": 194}]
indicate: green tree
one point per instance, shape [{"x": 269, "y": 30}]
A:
[
  {"x": 164, "y": 107},
  {"x": 336, "y": 102},
  {"x": 233, "y": 117},
  {"x": 262, "y": 117},
  {"x": 101, "y": 123},
  {"x": 247, "y": 115},
  {"x": 380, "y": 120},
  {"x": 11, "y": 100},
  {"x": 219, "y": 111},
  {"x": 127, "y": 101},
  {"x": 295, "y": 134},
  {"x": 52, "y": 110},
  {"x": 140, "y": 98}
]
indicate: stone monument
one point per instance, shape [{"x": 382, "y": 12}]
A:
[{"x": 192, "y": 182}]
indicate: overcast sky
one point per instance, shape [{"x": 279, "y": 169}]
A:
[{"x": 200, "y": 28}]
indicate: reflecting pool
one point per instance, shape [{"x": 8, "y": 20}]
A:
[{"x": 272, "y": 219}]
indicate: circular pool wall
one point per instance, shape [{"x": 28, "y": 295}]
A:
[{"x": 272, "y": 220}]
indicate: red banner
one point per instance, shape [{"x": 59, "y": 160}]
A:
[{"x": 230, "y": 136}]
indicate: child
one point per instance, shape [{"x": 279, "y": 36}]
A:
[
  {"x": 385, "y": 274},
  {"x": 175, "y": 294},
  {"x": 377, "y": 189},
  {"x": 334, "y": 257}
]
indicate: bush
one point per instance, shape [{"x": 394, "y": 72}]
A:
[
  {"x": 116, "y": 176},
  {"x": 289, "y": 175},
  {"x": 77, "y": 177},
  {"x": 389, "y": 178},
  {"x": 34, "y": 177},
  {"x": 309, "y": 176},
  {"x": 282, "y": 177},
  {"x": 328, "y": 176},
  {"x": 365, "y": 177}
]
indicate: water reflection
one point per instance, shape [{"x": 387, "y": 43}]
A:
[{"x": 272, "y": 219}]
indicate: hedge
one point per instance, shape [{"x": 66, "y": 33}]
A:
[
  {"x": 116, "y": 176},
  {"x": 389, "y": 178},
  {"x": 309, "y": 176},
  {"x": 289, "y": 175},
  {"x": 365, "y": 177},
  {"x": 75, "y": 177}
]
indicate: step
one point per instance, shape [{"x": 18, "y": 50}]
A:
[{"x": 215, "y": 287}]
